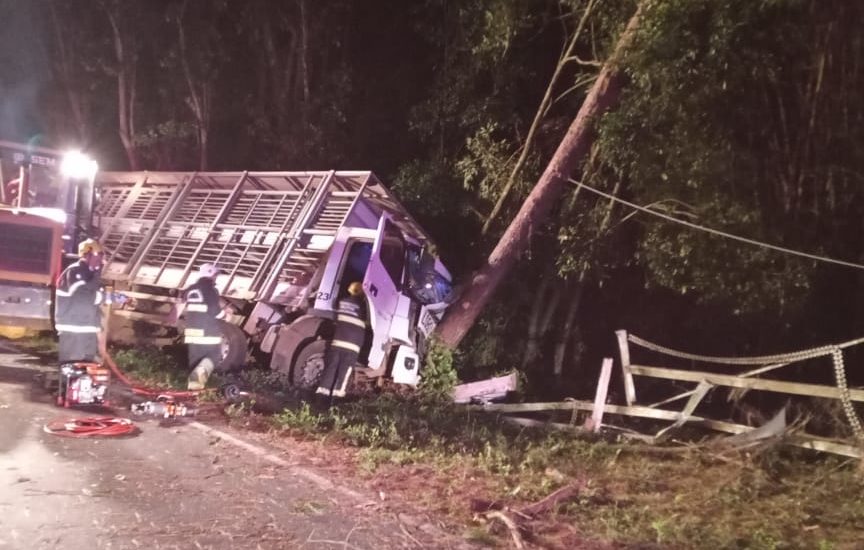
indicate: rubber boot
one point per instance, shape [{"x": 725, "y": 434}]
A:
[
  {"x": 322, "y": 400},
  {"x": 200, "y": 374}
]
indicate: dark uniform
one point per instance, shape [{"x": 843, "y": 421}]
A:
[
  {"x": 202, "y": 333},
  {"x": 77, "y": 315},
  {"x": 341, "y": 355}
]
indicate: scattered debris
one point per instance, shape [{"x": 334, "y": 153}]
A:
[
  {"x": 518, "y": 541},
  {"x": 553, "y": 500}
]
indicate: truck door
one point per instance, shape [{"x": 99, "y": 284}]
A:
[{"x": 382, "y": 285}]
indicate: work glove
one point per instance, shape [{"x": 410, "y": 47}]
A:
[{"x": 117, "y": 298}]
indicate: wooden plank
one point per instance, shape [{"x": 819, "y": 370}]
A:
[
  {"x": 824, "y": 445},
  {"x": 687, "y": 393},
  {"x": 485, "y": 390},
  {"x": 699, "y": 394},
  {"x": 602, "y": 392},
  {"x": 153, "y": 297},
  {"x": 533, "y": 407},
  {"x": 624, "y": 350},
  {"x": 778, "y": 386}
]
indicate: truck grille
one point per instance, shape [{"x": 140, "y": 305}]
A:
[{"x": 25, "y": 249}]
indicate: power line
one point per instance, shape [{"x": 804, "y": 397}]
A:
[{"x": 716, "y": 231}]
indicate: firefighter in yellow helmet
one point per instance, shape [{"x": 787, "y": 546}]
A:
[
  {"x": 77, "y": 307},
  {"x": 349, "y": 333}
]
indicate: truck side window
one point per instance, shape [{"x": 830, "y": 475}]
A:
[
  {"x": 393, "y": 253},
  {"x": 355, "y": 264}
]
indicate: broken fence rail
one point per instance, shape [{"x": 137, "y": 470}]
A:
[{"x": 803, "y": 441}]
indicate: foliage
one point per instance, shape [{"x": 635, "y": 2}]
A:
[
  {"x": 718, "y": 100},
  {"x": 439, "y": 373}
]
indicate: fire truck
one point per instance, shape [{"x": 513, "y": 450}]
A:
[
  {"x": 46, "y": 202},
  {"x": 288, "y": 244}
]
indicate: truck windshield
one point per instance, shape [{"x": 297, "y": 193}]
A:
[
  {"x": 47, "y": 188},
  {"x": 425, "y": 284}
]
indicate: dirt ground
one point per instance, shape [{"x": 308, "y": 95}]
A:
[{"x": 181, "y": 486}]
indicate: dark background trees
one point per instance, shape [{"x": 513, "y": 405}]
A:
[{"x": 736, "y": 114}]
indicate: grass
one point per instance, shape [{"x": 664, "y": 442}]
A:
[
  {"x": 151, "y": 367},
  {"x": 774, "y": 499}
]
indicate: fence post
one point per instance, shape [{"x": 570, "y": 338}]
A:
[
  {"x": 624, "y": 349},
  {"x": 600, "y": 396}
]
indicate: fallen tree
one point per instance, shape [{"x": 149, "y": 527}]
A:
[{"x": 571, "y": 152}]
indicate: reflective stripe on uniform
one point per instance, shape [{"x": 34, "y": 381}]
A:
[
  {"x": 199, "y": 308},
  {"x": 196, "y": 336},
  {"x": 346, "y": 345},
  {"x": 206, "y": 340},
  {"x": 72, "y": 288},
  {"x": 340, "y": 391},
  {"x": 77, "y": 329},
  {"x": 352, "y": 320}
]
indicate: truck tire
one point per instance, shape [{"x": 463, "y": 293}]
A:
[
  {"x": 234, "y": 346},
  {"x": 308, "y": 366}
]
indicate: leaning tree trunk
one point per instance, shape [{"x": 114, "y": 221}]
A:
[
  {"x": 534, "y": 211},
  {"x": 126, "y": 87}
]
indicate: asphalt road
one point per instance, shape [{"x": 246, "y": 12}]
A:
[{"x": 181, "y": 486}]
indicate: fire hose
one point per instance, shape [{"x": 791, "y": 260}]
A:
[
  {"x": 143, "y": 390},
  {"x": 103, "y": 426}
]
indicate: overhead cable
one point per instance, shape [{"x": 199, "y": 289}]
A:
[{"x": 717, "y": 232}]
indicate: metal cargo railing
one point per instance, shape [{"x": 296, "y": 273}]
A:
[{"x": 258, "y": 227}]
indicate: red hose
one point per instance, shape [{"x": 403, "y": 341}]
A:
[
  {"x": 144, "y": 391},
  {"x": 93, "y": 426}
]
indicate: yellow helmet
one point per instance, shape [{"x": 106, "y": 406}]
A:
[
  {"x": 355, "y": 289},
  {"x": 89, "y": 247}
]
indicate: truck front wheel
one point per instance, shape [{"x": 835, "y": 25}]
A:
[
  {"x": 233, "y": 347},
  {"x": 308, "y": 367}
]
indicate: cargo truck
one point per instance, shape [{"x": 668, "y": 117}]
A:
[{"x": 288, "y": 244}]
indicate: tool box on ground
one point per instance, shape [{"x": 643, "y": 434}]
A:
[
  {"x": 164, "y": 407},
  {"x": 83, "y": 384}
]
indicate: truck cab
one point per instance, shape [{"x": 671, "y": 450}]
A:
[{"x": 46, "y": 199}]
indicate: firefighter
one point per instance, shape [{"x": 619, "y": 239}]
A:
[
  {"x": 203, "y": 334},
  {"x": 341, "y": 355},
  {"x": 77, "y": 313}
]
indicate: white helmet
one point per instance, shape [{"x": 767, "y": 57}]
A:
[{"x": 208, "y": 270}]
